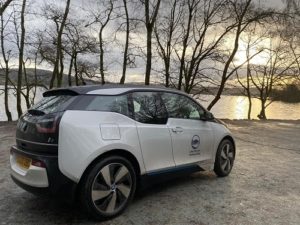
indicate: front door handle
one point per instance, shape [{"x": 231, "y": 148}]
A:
[{"x": 177, "y": 130}]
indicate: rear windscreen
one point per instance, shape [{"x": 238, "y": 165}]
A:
[{"x": 53, "y": 104}]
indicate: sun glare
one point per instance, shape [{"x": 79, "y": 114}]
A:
[
  {"x": 259, "y": 59},
  {"x": 256, "y": 57}
]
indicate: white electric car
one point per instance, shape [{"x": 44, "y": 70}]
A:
[{"x": 101, "y": 142}]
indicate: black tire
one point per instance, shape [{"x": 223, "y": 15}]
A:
[
  {"x": 94, "y": 185},
  {"x": 224, "y": 161}
]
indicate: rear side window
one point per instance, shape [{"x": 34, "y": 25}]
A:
[
  {"x": 53, "y": 104},
  {"x": 148, "y": 108},
  {"x": 118, "y": 104}
]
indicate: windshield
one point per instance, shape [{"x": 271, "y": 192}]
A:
[{"x": 52, "y": 104}]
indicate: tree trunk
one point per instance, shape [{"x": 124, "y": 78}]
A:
[
  {"x": 122, "y": 81},
  {"x": 218, "y": 95},
  {"x": 35, "y": 79},
  {"x": 70, "y": 70},
  {"x": 248, "y": 87},
  {"x": 27, "y": 94},
  {"x": 6, "y": 94},
  {"x": 262, "y": 114},
  {"x": 150, "y": 21},
  {"x": 250, "y": 106},
  {"x": 225, "y": 71},
  {"x": 184, "y": 47},
  {"x": 54, "y": 74},
  {"x": 101, "y": 56},
  {"x": 149, "y": 55},
  {"x": 61, "y": 71},
  {"x": 6, "y": 90},
  {"x": 76, "y": 69},
  {"x": 58, "y": 74},
  {"x": 21, "y": 53},
  {"x": 167, "y": 72}
]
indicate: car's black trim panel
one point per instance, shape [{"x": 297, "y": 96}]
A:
[
  {"x": 36, "y": 143},
  {"x": 166, "y": 174},
  {"x": 36, "y": 147}
]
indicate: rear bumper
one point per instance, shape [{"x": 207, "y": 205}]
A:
[
  {"x": 41, "y": 180},
  {"x": 33, "y": 176}
]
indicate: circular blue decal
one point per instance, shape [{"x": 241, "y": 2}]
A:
[{"x": 195, "y": 142}]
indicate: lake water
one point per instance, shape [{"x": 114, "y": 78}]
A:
[
  {"x": 236, "y": 107},
  {"x": 230, "y": 107}
]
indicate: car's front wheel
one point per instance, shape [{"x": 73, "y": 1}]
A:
[
  {"x": 108, "y": 187},
  {"x": 224, "y": 158}
]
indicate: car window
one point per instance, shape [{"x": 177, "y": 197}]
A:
[
  {"x": 53, "y": 104},
  {"x": 179, "y": 106},
  {"x": 148, "y": 108},
  {"x": 117, "y": 104}
]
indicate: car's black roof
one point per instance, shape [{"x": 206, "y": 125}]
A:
[{"x": 77, "y": 90}]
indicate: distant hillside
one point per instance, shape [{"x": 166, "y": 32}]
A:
[{"x": 43, "y": 77}]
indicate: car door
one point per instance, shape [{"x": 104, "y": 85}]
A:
[
  {"x": 154, "y": 135},
  {"x": 192, "y": 138}
]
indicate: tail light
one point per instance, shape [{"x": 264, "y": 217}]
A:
[
  {"x": 38, "y": 163},
  {"x": 48, "y": 125}
]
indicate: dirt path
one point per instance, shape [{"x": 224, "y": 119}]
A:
[{"x": 263, "y": 188}]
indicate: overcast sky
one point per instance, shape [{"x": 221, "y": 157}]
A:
[{"x": 133, "y": 74}]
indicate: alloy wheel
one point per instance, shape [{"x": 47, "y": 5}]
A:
[
  {"x": 227, "y": 157},
  {"x": 111, "y": 188}
]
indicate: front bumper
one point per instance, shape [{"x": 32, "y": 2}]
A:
[{"x": 41, "y": 180}]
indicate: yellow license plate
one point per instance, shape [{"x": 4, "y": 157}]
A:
[{"x": 23, "y": 162}]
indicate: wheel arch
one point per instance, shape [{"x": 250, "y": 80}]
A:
[{"x": 118, "y": 152}]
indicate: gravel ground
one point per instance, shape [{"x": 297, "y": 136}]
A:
[{"x": 263, "y": 188}]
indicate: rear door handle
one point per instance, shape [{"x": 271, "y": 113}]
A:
[{"x": 177, "y": 130}]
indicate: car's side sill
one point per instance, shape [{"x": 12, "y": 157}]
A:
[{"x": 161, "y": 175}]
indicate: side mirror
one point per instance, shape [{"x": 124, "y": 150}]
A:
[{"x": 207, "y": 116}]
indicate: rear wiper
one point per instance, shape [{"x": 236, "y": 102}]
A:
[{"x": 36, "y": 112}]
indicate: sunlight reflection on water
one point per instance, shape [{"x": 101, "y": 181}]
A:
[
  {"x": 236, "y": 107},
  {"x": 230, "y": 107}
]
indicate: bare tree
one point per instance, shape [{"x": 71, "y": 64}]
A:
[
  {"x": 103, "y": 24},
  {"x": 198, "y": 28},
  {"x": 244, "y": 13},
  {"x": 45, "y": 49},
  {"x": 125, "y": 54},
  {"x": 86, "y": 69},
  {"x": 101, "y": 17},
  {"x": 253, "y": 40},
  {"x": 164, "y": 32},
  {"x": 60, "y": 22},
  {"x": 151, "y": 11},
  {"x": 21, "y": 61},
  {"x": 25, "y": 88},
  {"x": 6, "y": 57},
  {"x": 35, "y": 54},
  {"x": 278, "y": 68},
  {"x": 191, "y": 4},
  {"x": 77, "y": 42},
  {"x": 206, "y": 17}
]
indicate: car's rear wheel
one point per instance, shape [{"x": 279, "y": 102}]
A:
[
  {"x": 108, "y": 187},
  {"x": 224, "y": 158}
]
